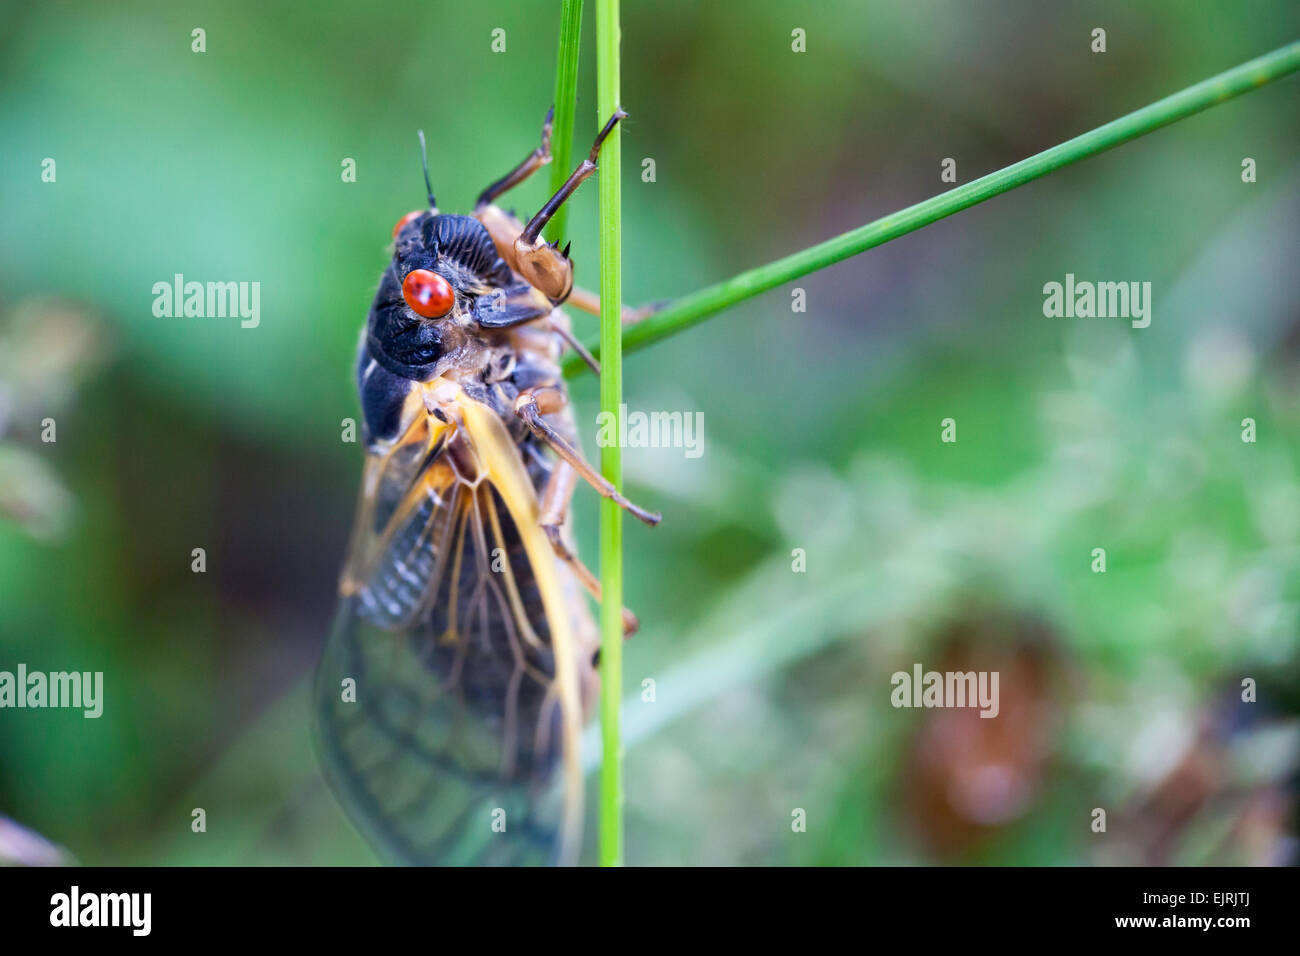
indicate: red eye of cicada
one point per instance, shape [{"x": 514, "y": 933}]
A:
[
  {"x": 428, "y": 294},
  {"x": 401, "y": 223}
]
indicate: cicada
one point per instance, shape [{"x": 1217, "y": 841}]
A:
[{"x": 461, "y": 665}]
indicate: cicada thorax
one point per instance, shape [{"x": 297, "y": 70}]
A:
[{"x": 469, "y": 643}]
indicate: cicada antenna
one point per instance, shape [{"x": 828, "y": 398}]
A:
[{"x": 424, "y": 163}]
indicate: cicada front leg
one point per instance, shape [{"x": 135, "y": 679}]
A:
[
  {"x": 541, "y": 263},
  {"x": 531, "y": 405},
  {"x": 556, "y": 497}
]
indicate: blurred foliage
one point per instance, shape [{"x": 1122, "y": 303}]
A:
[{"x": 821, "y": 428}]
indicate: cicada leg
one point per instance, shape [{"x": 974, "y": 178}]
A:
[
  {"x": 530, "y": 406},
  {"x": 532, "y": 162},
  {"x": 561, "y": 328},
  {"x": 545, "y": 266},
  {"x": 584, "y": 300},
  {"x": 541, "y": 263},
  {"x": 585, "y": 168},
  {"x": 556, "y": 497}
]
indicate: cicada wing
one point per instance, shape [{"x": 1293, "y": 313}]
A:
[
  {"x": 420, "y": 773},
  {"x": 450, "y": 693}
]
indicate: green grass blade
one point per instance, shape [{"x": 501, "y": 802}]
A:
[
  {"x": 565, "y": 102},
  {"x": 698, "y": 306},
  {"x": 611, "y": 455}
]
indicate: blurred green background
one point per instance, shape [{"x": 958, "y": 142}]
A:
[{"x": 821, "y": 429}]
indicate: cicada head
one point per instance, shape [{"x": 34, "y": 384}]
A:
[{"x": 424, "y": 315}]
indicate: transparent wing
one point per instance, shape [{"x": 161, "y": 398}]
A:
[{"x": 438, "y": 718}]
